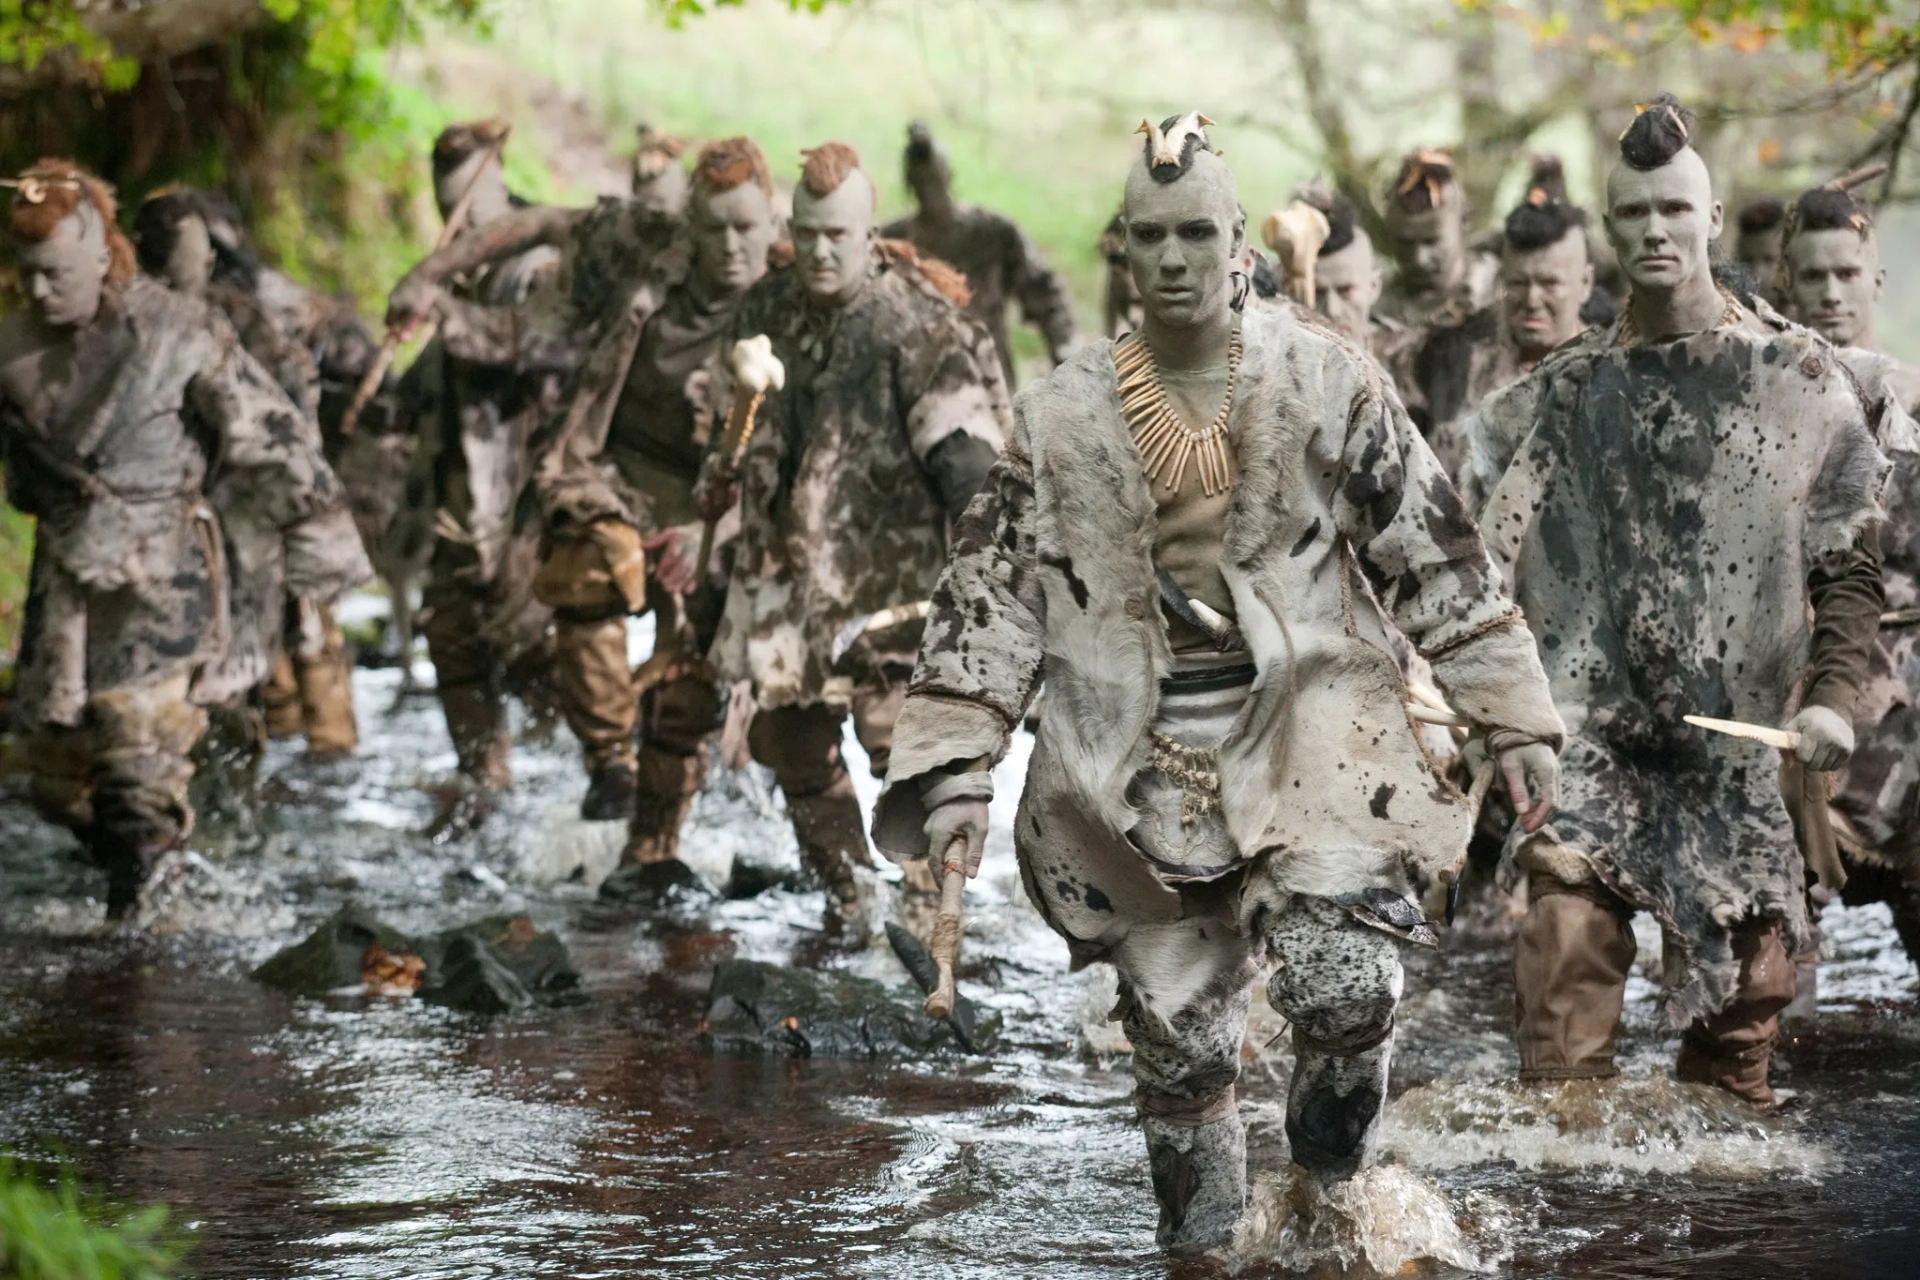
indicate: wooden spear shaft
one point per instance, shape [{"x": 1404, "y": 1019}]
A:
[{"x": 390, "y": 345}]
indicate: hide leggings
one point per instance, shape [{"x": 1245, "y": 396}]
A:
[{"x": 1184, "y": 1000}]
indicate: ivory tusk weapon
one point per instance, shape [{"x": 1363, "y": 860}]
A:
[
  {"x": 866, "y": 623},
  {"x": 1783, "y": 739},
  {"x": 390, "y": 345},
  {"x": 756, "y": 370},
  {"x": 947, "y": 928}
]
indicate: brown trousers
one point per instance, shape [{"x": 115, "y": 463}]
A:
[
  {"x": 1571, "y": 960},
  {"x": 474, "y": 673}
]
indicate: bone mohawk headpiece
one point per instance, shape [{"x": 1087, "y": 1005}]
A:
[
  {"x": 1659, "y": 131},
  {"x": 1426, "y": 175},
  {"x": 1172, "y": 144}
]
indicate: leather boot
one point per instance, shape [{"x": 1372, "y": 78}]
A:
[
  {"x": 280, "y": 698},
  {"x": 1570, "y": 965},
  {"x": 1733, "y": 1049},
  {"x": 601, "y": 704},
  {"x": 1199, "y": 1176},
  {"x": 833, "y": 842},
  {"x": 667, "y": 784},
  {"x": 326, "y": 704}
]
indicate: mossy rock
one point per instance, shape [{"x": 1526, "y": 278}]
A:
[{"x": 758, "y": 1008}]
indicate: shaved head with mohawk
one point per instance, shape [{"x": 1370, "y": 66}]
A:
[
  {"x": 65, "y": 242},
  {"x": 732, "y": 218},
  {"x": 833, "y": 222},
  {"x": 1831, "y": 261}
]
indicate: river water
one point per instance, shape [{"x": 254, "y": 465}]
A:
[{"x": 362, "y": 1137}]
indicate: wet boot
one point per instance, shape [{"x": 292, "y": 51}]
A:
[
  {"x": 1732, "y": 1049},
  {"x": 667, "y": 785},
  {"x": 326, "y": 705},
  {"x": 477, "y": 722},
  {"x": 1199, "y": 1174},
  {"x": 833, "y": 843},
  {"x": 611, "y": 788},
  {"x": 1570, "y": 965},
  {"x": 596, "y": 693}
]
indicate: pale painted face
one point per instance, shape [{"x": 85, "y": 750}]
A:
[
  {"x": 1347, "y": 283},
  {"x": 63, "y": 275},
  {"x": 732, "y": 231},
  {"x": 190, "y": 262},
  {"x": 1541, "y": 291},
  {"x": 490, "y": 198},
  {"x": 1662, "y": 221},
  {"x": 833, "y": 238},
  {"x": 665, "y": 192},
  {"x": 1430, "y": 247},
  {"x": 1760, "y": 250},
  {"x": 1834, "y": 279},
  {"x": 1185, "y": 239}
]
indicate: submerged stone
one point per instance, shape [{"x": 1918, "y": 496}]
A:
[
  {"x": 492, "y": 965},
  {"x": 758, "y": 1008}
]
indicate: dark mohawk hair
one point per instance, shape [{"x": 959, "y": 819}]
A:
[
  {"x": 1424, "y": 179},
  {"x": 1662, "y": 130},
  {"x": 1336, "y": 208},
  {"x": 1761, "y": 215},
  {"x": 1542, "y": 219}
]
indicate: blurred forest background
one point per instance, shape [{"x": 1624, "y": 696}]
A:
[{"x": 317, "y": 115}]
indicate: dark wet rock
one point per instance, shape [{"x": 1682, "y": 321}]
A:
[
  {"x": 652, "y": 883},
  {"x": 491, "y": 965},
  {"x": 753, "y": 875},
  {"x": 925, "y": 971},
  {"x": 757, "y": 1008}
]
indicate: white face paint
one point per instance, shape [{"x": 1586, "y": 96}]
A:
[
  {"x": 1347, "y": 282},
  {"x": 1185, "y": 239},
  {"x": 190, "y": 262},
  {"x": 833, "y": 238},
  {"x": 1662, "y": 221},
  {"x": 1541, "y": 291},
  {"x": 64, "y": 274},
  {"x": 1431, "y": 247},
  {"x": 665, "y": 192},
  {"x": 732, "y": 231},
  {"x": 1834, "y": 278},
  {"x": 481, "y": 171}
]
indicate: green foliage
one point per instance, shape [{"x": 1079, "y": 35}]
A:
[
  {"x": 676, "y": 12},
  {"x": 1854, "y": 36},
  {"x": 16, "y": 557},
  {"x": 32, "y": 30},
  {"x": 50, "y": 1229}
]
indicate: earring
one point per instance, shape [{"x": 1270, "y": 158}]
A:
[{"x": 1242, "y": 285}]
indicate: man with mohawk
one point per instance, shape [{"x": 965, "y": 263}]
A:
[
  {"x": 892, "y": 411},
  {"x": 178, "y": 492},
  {"x": 1178, "y": 539},
  {"x": 1001, "y": 265},
  {"x": 1688, "y": 487},
  {"x": 621, "y": 463},
  {"x": 1437, "y": 278},
  {"x": 1545, "y": 278},
  {"x": 1832, "y": 275}
]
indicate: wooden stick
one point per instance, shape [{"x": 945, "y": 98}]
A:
[
  {"x": 390, "y": 345},
  {"x": 1782, "y": 739},
  {"x": 947, "y": 928}
]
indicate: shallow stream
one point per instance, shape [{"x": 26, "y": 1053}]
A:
[{"x": 365, "y": 1137}]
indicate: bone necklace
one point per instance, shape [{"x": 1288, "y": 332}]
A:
[{"x": 1167, "y": 444}]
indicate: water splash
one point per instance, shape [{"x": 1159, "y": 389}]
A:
[
  {"x": 1641, "y": 1124},
  {"x": 1385, "y": 1221}
]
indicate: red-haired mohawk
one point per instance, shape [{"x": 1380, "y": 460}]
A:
[
  {"x": 725, "y": 163},
  {"x": 827, "y": 166},
  {"x": 49, "y": 192}
]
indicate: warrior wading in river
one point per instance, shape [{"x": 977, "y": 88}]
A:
[
  {"x": 1688, "y": 486},
  {"x": 1832, "y": 275},
  {"x": 891, "y": 415},
  {"x": 1225, "y": 772},
  {"x": 179, "y": 493}
]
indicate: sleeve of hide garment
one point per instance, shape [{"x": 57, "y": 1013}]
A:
[
  {"x": 948, "y": 385},
  {"x": 508, "y": 337},
  {"x": 269, "y": 452},
  {"x": 1848, "y": 597},
  {"x": 980, "y": 660},
  {"x": 1042, "y": 297},
  {"x": 568, "y": 480},
  {"x": 1420, "y": 551},
  {"x": 1494, "y": 433}
]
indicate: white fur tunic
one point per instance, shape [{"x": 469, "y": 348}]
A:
[{"x": 1321, "y": 777}]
